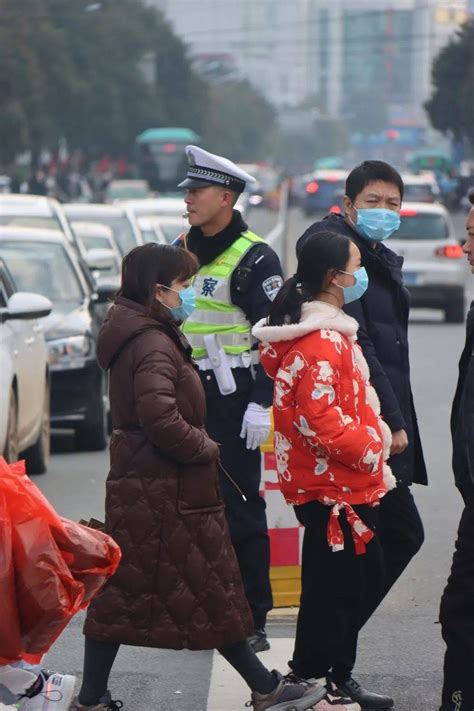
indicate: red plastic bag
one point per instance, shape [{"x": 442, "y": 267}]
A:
[
  {"x": 10, "y": 636},
  {"x": 50, "y": 567}
]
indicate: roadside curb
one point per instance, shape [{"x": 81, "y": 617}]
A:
[{"x": 283, "y": 614}]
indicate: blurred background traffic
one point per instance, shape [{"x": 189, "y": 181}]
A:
[{"x": 98, "y": 101}]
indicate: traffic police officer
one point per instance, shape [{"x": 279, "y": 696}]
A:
[{"x": 239, "y": 277}]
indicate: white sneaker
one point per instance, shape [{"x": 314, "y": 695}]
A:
[{"x": 50, "y": 692}]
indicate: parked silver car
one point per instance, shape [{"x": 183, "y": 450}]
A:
[{"x": 24, "y": 376}]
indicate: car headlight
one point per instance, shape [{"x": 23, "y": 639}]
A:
[{"x": 71, "y": 352}]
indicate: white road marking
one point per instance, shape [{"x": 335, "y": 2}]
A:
[{"x": 228, "y": 691}]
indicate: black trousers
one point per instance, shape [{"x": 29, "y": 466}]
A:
[
  {"x": 99, "y": 658},
  {"x": 247, "y": 519},
  {"x": 457, "y": 619},
  {"x": 401, "y": 535},
  {"x": 334, "y": 587}
]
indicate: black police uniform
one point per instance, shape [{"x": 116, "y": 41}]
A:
[{"x": 253, "y": 286}]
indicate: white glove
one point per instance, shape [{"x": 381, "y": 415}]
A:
[{"x": 256, "y": 425}]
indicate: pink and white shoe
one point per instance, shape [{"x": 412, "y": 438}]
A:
[{"x": 334, "y": 700}]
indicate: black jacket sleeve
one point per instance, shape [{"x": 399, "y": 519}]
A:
[
  {"x": 389, "y": 406},
  {"x": 264, "y": 281}
]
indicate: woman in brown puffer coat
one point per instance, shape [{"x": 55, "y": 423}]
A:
[{"x": 178, "y": 585}]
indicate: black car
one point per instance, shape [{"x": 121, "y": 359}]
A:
[
  {"x": 42, "y": 261},
  {"x": 324, "y": 191}
]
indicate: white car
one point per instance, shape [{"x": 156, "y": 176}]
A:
[
  {"x": 34, "y": 211},
  {"x": 172, "y": 227},
  {"x": 164, "y": 230},
  {"x": 118, "y": 190},
  {"x": 420, "y": 187},
  {"x": 164, "y": 216},
  {"x": 98, "y": 240},
  {"x": 434, "y": 270},
  {"x": 42, "y": 261},
  {"x": 151, "y": 230},
  {"x": 24, "y": 376},
  {"x": 157, "y": 206},
  {"x": 118, "y": 217}
]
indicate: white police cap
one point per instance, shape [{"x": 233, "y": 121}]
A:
[{"x": 205, "y": 169}]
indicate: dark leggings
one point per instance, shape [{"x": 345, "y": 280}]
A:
[
  {"x": 334, "y": 586},
  {"x": 100, "y": 656}
]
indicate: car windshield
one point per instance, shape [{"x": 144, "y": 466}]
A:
[
  {"x": 127, "y": 192},
  {"x": 418, "y": 193},
  {"x": 44, "y": 268},
  {"x": 148, "y": 235},
  {"x": 120, "y": 226},
  {"x": 41, "y": 221},
  {"x": 422, "y": 226},
  {"x": 172, "y": 229},
  {"x": 94, "y": 242}
]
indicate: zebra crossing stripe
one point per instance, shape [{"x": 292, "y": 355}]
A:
[{"x": 227, "y": 690}]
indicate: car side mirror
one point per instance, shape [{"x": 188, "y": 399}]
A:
[
  {"x": 105, "y": 293},
  {"x": 99, "y": 259},
  {"x": 24, "y": 305}
]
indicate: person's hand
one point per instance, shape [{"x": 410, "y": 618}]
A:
[
  {"x": 399, "y": 442},
  {"x": 256, "y": 425}
]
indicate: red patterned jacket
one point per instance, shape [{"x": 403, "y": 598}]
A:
[{"x": 331, "y": 444}]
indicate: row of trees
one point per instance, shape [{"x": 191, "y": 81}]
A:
[
  {"x": 98, "y": 73},
  {"x": 451, "y": 106}
]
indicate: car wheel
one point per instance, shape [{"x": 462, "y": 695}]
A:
[
  {"x": 11, "y": 452},
  {"x": 92, "y": 434},
  {"x": 37, "y": 456},
  {"x": 454, "y": 313}
]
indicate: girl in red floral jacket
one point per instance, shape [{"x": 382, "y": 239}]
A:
[{"x": 331, "y": 449}]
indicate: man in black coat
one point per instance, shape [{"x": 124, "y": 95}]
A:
[
  {"x": 457, "y": 604},
  {"x": 372, "y": 203}
]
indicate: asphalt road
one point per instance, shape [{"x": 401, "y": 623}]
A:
[{"x": 401, "y": 650}]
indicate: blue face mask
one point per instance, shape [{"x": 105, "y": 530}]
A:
[
  {"x": 188, "y": 303},
  {"x": 354, "y": 292},
  {"x": 376, "y": 224}
]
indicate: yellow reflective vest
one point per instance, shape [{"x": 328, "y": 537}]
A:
[{"x": 215, "y": 312}]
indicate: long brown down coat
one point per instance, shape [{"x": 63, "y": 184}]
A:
[{"x": 178, "y": 584}]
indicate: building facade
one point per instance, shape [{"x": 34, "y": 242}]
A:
[{"x": 329, "y": 49}]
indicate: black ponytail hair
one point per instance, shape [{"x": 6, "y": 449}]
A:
[{"x": 321, "y": 252}]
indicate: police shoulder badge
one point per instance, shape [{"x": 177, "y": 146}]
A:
[{"x": 272, "y": 286}]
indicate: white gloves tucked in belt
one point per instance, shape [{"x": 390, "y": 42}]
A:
[{"x": 256, "y": 425}]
